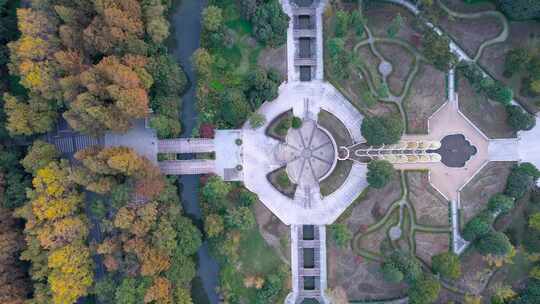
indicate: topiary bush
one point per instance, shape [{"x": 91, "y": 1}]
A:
[{"x": 296, "y": 122}]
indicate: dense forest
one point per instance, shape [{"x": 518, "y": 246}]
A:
[{"x": 105, "y": 226}]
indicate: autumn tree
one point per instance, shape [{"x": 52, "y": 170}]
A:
[
  {"x": 114, "y": 93},
  {"x": 39, "y": 155}
]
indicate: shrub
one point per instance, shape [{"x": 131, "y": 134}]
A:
[
  {"x": 519, "y": 119},
  {"x": 256, "y": 120},
  {"x": 495, "y": 243},
  {"x": 379, "y": 173},
  {"x": 477, "y": 227},
  {"x": 447, "y": 265},
  {"x": 424, "y": 291},
  {"x": 382, "y": 130},
  {"x": 283, "y": 126},
  {"x": 500, "y": 203},
  {"x": 341, "y": 234},
  {"x": 283, "y": 179},
  {"x": 296, "y": 122},
  {"x": 407, "y": 264},
  {"x": 391, "y": 274}
]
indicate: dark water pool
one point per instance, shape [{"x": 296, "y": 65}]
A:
[{"x": 186, "y": 32}]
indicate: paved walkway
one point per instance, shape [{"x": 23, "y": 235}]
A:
[{"x": 308, "y": 207}]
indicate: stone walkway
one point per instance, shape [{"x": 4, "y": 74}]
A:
[{"x": 261, "y": 155}]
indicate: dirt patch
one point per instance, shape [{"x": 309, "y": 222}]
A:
[
  {"x": 373, "y": 240},
  {"x": 488, "y": 115},
  {"x": 274, "y": 59},
  {"x": 361, "y": 279},
  {"x": 489, "y": 181},
  {"x": 462, "y": 7},
  {"x": 287, "y": 189},
  {"x": 402, "y": 64},
  {"x": 380, "y": 16},
  {"x": 429, "y": 244},
  {"x": 373, "y": 205},
  {"x": 338, "y": 130},
  {"x": 274, "y": 232},
  {"x": 522, "y": 34},
  {"x": 471, "y": 33},
  {"x": 475, "y": 272},
  {"x": 427, "y": 94},
  {"x": 430, "y": 206},
  {"x": 371, "y": 62}
]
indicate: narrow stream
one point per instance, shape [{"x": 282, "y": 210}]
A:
[{"x": 186, "y": 31}]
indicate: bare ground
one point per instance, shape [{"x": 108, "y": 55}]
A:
[
  {"x": 475, "y": 273},
  {"x": 489, "y": 181},
  {"x": 471, "y": 33},
  {"x": 429, "y": 244},
  {"x": 430, "y": 206},
  {"x": 274, "y": 59},
  {"x": 361, "y": 279},
  {"x": 372, "y": 241},
  {"x": 380, "y": 16},
  {"x": 522, "y": 34},
  {"x": 274, "y": 232},
  {"x": 488, "y": 115},
  {"x": 402, "y": 64},
  {"x": 462, "y": 7},
  {"x": 427, "y": 94},
  {"x": 373, "y": 205}
]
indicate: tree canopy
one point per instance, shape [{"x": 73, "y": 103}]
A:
[{"x": 380, "y": 130}]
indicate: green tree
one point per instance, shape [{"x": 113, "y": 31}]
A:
[
  {"x": 169, "y": 79},
  {"x": 105, "y": 289},
  {"x": 215, "y": 189},
  {"x": 534, "y": 221},
  {"x": 424, "y": 291},
  {"x": 343, "y": 20},
  {"x": 520, "y": 9},
  {"x": 380, "y": 172},
  {"x": 436, "y": 49},
  {"x": 212, "y": 18},
  {"x": 261, "y": 86},
  {"x": 380, "y": 130},
  {"x": 519, "y": 119},
  {"x": 271, "y": 288},
  {"x": 499, "y": 92},
  {"x": 270, "y": 23},
  {"x": 500, "y": 203},
  {"x": 240, "y": 218},
  {"x": 234, "y": 107},
  {"x": 407, "y": 264},
  {"x": 477, "y": 227},
  {"x": 521, "y": 180},
  {"x": 131, "y": 290},
  {"x": 515, "y": 61},
  {"x": 446, "y": 264},
  {"x": 495, "y": 243},
  {"x": 341, "y": 234}
]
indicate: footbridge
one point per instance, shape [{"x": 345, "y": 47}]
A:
[
  {"x": 186, "y": 145},
  {"x": 186, "y": 167}
]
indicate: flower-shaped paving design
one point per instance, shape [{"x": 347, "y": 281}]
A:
[{"x": 309, "y": 153}]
